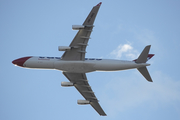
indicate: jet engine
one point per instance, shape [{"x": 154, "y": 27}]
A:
[
  {"x": 77, "y": 27},
  {"x": 64, "y": 48},
  {"x": 67, "y": 84},
  {"x": 83, "y": 102}
]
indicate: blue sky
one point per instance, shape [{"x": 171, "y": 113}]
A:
[{"x": 122, "y": 29}]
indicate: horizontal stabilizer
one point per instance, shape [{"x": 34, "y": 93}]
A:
[{"x": 145, "y": 73}]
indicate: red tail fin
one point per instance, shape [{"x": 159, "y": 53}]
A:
[{"x": 148, "y": 58}]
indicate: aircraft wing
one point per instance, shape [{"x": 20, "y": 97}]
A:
[
  {"x": 80, "y": 41},
  {"x": 82, "y": 85}
]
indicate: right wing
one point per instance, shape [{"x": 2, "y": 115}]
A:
[
  {"x": 82, "y": 85},
  {"x": 80, "y": 41}
]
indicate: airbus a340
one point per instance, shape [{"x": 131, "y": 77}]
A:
[{"x": 74, "y": 65}]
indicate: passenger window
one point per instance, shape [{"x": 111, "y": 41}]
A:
[
  {"x": 91, "y": 59},
  {"x": 57, "y": 57},
  {"x": 98, "y": 59}
]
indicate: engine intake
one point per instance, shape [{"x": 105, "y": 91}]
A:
[
  {"x": 77, "y": 27},
  {"x": 67, "y": 84},
  {"x": 64, "y": 48},
  {"x": 83, "y": 102}
]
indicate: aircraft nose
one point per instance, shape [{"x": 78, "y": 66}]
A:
[{"x": 20, "y": 61}]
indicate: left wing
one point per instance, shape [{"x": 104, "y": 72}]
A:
[
  {"x": 80, "y": 41},
  {"x": 81, "y": 84}
]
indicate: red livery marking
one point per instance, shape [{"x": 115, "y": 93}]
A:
[
  {"x": 99, "y": 4},
  {"x": 20, "y": 61}
]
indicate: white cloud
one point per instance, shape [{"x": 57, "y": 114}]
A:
[
  {"x": 126, "y": 50},
  {"x": 133, "y": 91}
]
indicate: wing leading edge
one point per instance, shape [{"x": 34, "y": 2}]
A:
[
  {"x": 80, "y": 41},
  {"x": 82, "y": 85}
]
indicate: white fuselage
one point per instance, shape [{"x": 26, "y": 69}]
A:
[{"x": 88, "y": 65}]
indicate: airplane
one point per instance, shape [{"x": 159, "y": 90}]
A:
[{"x": 74, "y": 65}]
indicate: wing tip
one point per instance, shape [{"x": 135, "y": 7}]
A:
[
  {"x": 103, "y": 115},
  {"x": 99, "y": 4}
]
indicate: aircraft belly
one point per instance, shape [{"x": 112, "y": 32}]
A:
[
  {"x": 115, "y": 66},
  {"x": 74, "y": 66}
]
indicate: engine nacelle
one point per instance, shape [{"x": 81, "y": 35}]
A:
[
  {"x": 67, "y": 84},
  {"x": 83, "y": 102},
  {"x": 77, "y": 27},
  {"x": 64, "y": 48}
]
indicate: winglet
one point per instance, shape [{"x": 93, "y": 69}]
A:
[{"x": 99, "y": 4}]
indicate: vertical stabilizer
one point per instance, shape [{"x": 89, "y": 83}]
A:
[{"x": 143, "y": 56}]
